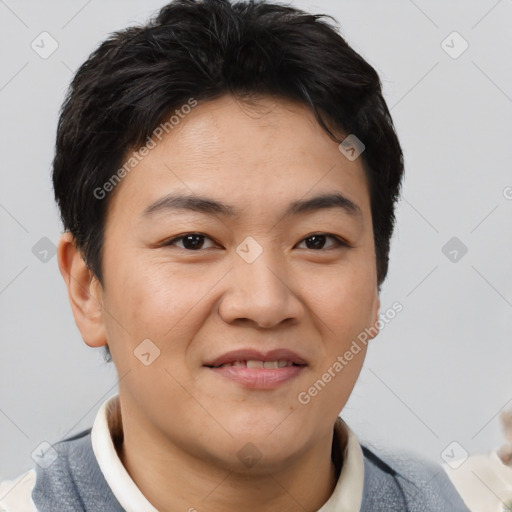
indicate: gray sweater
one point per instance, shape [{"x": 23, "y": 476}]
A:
[{"x": 74, "y": 482}]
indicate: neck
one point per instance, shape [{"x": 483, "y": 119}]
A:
[{"x": 172, "y": 479}]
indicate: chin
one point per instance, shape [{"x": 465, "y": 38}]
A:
[
  {"x": 270, "y": 428},
  {"x": 262, "y": 457}
]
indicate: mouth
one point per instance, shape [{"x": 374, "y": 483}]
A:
[
  {"x": 254, "y": 364},
  {"x": 254, "y": 359},
  {"x": 255, "y": 370}
]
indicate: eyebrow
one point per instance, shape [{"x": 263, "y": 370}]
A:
[{"x": 211, "y": 206}]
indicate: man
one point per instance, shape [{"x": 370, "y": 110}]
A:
[{"x": 226, "y": 176}]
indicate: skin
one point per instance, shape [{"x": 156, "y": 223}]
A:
[{"x": 183, "y": 424}]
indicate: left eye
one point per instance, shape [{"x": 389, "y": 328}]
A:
[{"x": 317, "y": 241}]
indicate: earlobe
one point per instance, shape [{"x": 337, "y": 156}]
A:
[{"x": 84, "y": 292}]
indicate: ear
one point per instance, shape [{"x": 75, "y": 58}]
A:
[
  {"x": 375, "y": 315},
  {"x": 84, "y": 292}
]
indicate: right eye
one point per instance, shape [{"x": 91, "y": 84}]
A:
[{"x": 190, "y": 241}]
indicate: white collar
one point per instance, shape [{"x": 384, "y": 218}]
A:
[{"x": 346, "y": 497}]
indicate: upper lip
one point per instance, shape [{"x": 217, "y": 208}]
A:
[{"x": 279, "y": 354}]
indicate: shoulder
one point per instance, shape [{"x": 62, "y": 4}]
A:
[
  {"x": 16, "y": 494},
  {"x": 421, "y": 484}
]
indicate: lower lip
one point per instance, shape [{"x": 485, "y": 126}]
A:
[{"x": 256, "y": 378}]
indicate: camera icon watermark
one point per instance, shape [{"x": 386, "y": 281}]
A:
[
  {"x": 351, "y": 147},
  {"x": 44, "y": 45},
  {"x": 454, "y": 249},
  {"x": 249, "y": 250},
  {"x": 146, "y": 352},
  {"x": 454, "y": 45},
  {"x": 249, "y": 455},
  {"x": 44, "y": 250},
  {"x": 454, "y": 455},
  {"x": 44, "y": 455}
]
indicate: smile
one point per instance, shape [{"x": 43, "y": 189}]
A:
[
  {"x": 258, "y": 374},
  {"x": 254, "y": 364}
]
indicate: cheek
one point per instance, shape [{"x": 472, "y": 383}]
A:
[
  {"x": 343, "y": 300},
  {"x": 145, "y": 307},
  {"x": 346, "y": 309},
  {"x": 151, "y": 298}
]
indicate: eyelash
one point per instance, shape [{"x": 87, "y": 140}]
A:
[{"x": 339, "y": 242}]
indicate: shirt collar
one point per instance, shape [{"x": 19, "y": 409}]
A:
[{"x": 346, "y": 497}]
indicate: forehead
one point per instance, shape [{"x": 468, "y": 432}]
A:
[{"x": 252, "y": 156}]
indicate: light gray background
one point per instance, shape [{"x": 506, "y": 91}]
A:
[{"x": 441, "y": 371}]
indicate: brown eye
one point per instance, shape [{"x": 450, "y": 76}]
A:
[
  {"x": 189, "y": 241},
  {"x": 317, "y": 241}
]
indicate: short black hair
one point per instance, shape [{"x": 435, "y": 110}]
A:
[{"x": 204, "y": 49}]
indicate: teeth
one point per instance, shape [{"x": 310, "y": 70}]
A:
[
  {"x": 270, "y": 365},
  {"x": 254, "y": 364}
]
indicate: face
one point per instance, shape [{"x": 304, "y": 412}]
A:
[{"x": 253, "y": 276}]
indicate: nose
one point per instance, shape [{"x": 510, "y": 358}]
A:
[{"x": 261, "y": 293}]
